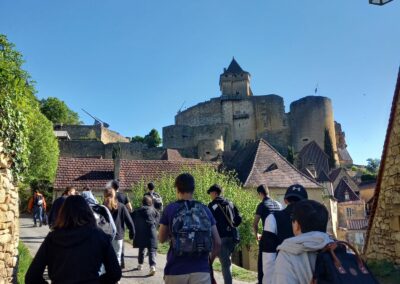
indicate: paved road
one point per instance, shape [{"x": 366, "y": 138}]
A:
[{"x": 33, "y": 238}]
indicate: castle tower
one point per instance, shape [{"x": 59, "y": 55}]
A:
[{"x": 235, "y": 82}]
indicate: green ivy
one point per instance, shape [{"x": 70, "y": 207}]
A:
[{"x": 13, "y": 135}]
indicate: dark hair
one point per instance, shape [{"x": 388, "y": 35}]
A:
[
  {"x": 292, "y": 199},
  {"x": 74, "y": 213},
  {"x": 262, "y": 188},
  {"x": 86, "y": 188},
  {"x": 147, "y": 200},
  {"x": 114, "y": 184},
  {"x": 184, "y": 183},
  {"x": 311, "y": 216},
  {"x": 150, "y": 185},
  {"x": 215, "y": 188}
]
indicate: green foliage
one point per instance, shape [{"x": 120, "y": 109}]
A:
[
  {"x": 373, "y": 165},
  {"x": 205, "y": 176},
  {"x": 152, "y": 139},
  {"x": 24, "y": 261},
  {"x": 328, "y": 148},
  {"x": 137, "y": 139},
  {"x": 238, "y": 272},
  {"x": 58, "y": 112},
  {"x": 38, "y": 158},
  {"x": 290, "y": 155}
]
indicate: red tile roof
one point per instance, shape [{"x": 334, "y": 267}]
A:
[
  {"x": 95, "y": 173},
  {"x": 259, "y": 163}
]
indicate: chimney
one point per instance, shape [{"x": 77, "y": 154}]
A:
[{"x": 116, "y": 155}]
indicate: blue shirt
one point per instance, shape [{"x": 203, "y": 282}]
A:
[{"x": 178, "y": 265}]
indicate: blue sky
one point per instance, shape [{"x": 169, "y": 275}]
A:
[{"x": 134, "y": 63}]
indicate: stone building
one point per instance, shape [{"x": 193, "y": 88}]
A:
[
  {"x": 238, "y": 117},
  {"x": 9, "y": 222},
  {"x": 383, "y": 238}
]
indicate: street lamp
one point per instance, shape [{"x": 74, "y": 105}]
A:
[{"x": 379, "y": 2}]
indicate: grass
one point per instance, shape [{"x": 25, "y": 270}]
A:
[
  {"x": 385, "y": 271},
  {"x": 24, "y": 260},
  {"x": 238, "y": 272}
]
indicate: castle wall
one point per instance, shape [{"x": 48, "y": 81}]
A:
[
  {"x": 84, "y": 148},
  {"x": 309, "y": 117},
  {"x": 129, "y": 151},
  {"x": 82, "y": 132},
  {"x": 9, "y": 222},
  {"x": 206, "y": 113},
  {"x": 92, "y": 132},
  {"x": 240, "y": 114},
  {"x": 237, "y": 85},
  {"x": 109, "y": 136},
  {"x": 210, "y": 148}
]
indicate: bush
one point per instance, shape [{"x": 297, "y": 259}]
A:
[
  {"x": 24, "y": 260},
  {"x": 205, "y": 176}
]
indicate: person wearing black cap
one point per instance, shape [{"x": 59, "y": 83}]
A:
[
  {"x": 155, "y": 196},
  {"x": 277, "y": 228},
  {"x": 264, "y": 208},
  {"x": 228, "y": 218}
]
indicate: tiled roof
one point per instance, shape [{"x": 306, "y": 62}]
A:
[
  {"x": 323, "y": 177},
  {"x": 382, "y": 168},
  {"x": 344, "y": 155},
  {"x": 342, "y": 189},
  {"x": 95, "y": 173},
  {"x": 334, "y": 173},
  {"x": 259, "y": 163},
  {"x": 313, "y": 154},
  {"x": 234, "y": 68},
  {"x": 357, "y": 224}
]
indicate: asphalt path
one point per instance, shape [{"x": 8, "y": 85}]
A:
[{"x": 33, "y": 237}]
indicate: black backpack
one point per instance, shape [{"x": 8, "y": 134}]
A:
[
  {"x": 104, "y": 220},
  {"x": 335, "y": 264}
]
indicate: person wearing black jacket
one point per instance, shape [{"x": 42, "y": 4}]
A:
[
  {"x": 146, "y": 219},
  {"x": 121, "y": 218},
  {"x": 228, "y": 218},
  {"x": 75, "y": 250}
]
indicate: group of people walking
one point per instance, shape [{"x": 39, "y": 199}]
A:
[{"x": 86, "y": 239}]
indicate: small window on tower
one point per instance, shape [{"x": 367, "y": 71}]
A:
[{"x": 272, "y": 167}]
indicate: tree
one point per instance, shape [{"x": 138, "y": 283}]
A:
[
  {"x": 40, "y": 155},
  {"x": 58, "y": 112},
  {"x": 137, "y": 139},
  {"x": 152, "y": 139},
  {"x": 328, "y": 148},
  {"x": 373, "y": 165},
  {"x": 290, "y": 155}
]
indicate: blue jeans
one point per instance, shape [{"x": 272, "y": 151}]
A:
[
  {"x": 37, "y": 214},
  {"x": 227, "y": 248}
]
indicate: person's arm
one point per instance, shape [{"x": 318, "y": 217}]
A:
[
  {"x": 163, "y": 233},
  {"x": 129, "y": 207},
  {"x": 129, "y": 223},
  {"x": 237, "y": 219},
  {"x": 113, "y": 270},
  {"x": 30, "y": 204},
  {"x": 255, "y": 226},
  {"x": 216, "y": 243},
  {"x": 35, "y": 272},
  {"x": 44, "y": 204}
]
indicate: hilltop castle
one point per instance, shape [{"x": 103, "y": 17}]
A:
[{"x": 237, "y": 117}]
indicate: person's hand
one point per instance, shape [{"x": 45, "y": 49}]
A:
[{"x": 258, "y": 237}]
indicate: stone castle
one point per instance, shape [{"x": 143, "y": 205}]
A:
[{"x": 238, "y": 117}]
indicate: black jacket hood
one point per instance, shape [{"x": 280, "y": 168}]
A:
[{"x": 71, "y": 237}]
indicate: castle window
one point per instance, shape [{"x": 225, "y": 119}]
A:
[
  {"x": 349, "y": 212},
  {"x": 208, "y": 153},
  {"x": 305, "y": 139}
]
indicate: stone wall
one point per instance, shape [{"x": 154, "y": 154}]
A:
[
  {"x": 92, "y": 132},
  {"x": 79, "y": 149},
  {"x": 206, "y": 113},
  {"x": 384, "y": 229},
  {"x": 9, "y": 223}
]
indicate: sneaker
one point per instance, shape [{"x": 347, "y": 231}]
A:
[
  {"x": 34, "y": 225},
  {"x": 152, "y": 270},
  {"x": 139, "y": 267}
]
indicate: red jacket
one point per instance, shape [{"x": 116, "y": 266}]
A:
[{"x": 30, "y": 202}]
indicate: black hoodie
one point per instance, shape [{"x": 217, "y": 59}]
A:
[
  {"x": 75, "y": 256},
  {"x": 223, "y": 226}
]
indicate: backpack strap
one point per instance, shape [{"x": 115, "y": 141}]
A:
[
  {"x": 226, "y": 216},
  {"x": 360, "y": 263}
]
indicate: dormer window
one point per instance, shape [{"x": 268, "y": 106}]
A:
[
  {"x": 346, "y": 196},
  {"x": 272, "y": 167}
]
